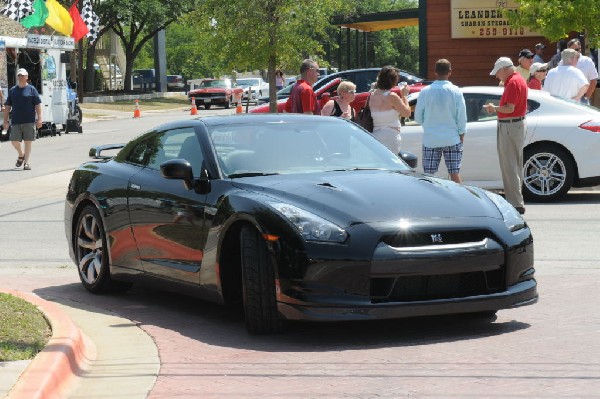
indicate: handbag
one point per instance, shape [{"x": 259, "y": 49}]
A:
[{"x": 364, "y": 117}]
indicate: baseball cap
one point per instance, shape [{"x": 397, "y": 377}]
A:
[
  {"x": 536, "y": 66},
  {"x": 526, "y": 53},
  {"x": 22, "y": 71},
  {"x": 501, "y": 63},
  {"x": 540, "y": 46}
]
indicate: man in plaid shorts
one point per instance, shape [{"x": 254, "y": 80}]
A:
[{"x": 442, "y": 112}]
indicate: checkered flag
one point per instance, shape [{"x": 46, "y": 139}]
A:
[
  {"x": 91, "y": 20},
  {"x": 17, "y": 9}
]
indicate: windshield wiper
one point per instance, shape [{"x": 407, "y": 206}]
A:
[{"x": 250, "y": 174}]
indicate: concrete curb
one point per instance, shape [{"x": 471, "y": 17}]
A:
[{"x": 54, "y": 371}]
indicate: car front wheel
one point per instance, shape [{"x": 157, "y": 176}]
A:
[
  {"x": 207, "y": 106},
  {"x": 548, "y": 173},
  {"x": 258, "y": 277},
  {"x": 91, "y": 253}
]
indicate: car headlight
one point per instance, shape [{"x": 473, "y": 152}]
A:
[
  {"x": 311, "y": 226},
  {"x": 512, "y": 218}
]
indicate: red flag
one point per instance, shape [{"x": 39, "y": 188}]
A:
[{"x": 80, "y": 29}]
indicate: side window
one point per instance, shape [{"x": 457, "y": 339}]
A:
[
  {"x": 138, "y": 154},
  {"x": 176, "y": 144},
  {"x": 475, "y": 110},
  {"x": 363, "y": 80}
]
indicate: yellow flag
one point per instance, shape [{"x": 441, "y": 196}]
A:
[{"x": 59, "y": 18}]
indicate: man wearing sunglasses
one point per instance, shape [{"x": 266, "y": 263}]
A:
[{"x": 302, "y": 99}]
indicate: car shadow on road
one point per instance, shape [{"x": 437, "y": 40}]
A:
[
  {"x": 573, "y": 197},
  {"x": 215, "y": 325}
]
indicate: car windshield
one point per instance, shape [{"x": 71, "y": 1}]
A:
[
  {"x": 214, "y": 83},
  {"x": 257, "y": 149},
  {"x": 247, "y": 82}
]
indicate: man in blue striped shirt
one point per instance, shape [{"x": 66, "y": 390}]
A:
[{"x": 442, "y": 112}]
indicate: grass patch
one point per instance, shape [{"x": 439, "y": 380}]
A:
[
  {"x": 24, "y": 331},
  {"x": 163, "y": 103}
]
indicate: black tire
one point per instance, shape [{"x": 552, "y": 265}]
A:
[
  {"x": 207, "y": 106},
  {"x": 78, "y": 114},
  {"x": 548, "y": 173},
  {"x": 258, "y": 280},
  {"x": 91, "y": 252}
]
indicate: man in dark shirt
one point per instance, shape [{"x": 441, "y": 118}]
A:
[
  {"x": 26, "y": 105},
  {"x": 511, "y": 129},
  {"x": 302, "y": 99}
]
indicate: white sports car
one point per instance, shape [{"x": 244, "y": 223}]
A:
[
  {"x": 257, "y": 86},
  {"x": 561, "y": 150}
]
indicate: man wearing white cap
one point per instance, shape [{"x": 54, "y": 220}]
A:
[
  {"x": 511, "y": 129},
  {"x": 26, "y": 105}
]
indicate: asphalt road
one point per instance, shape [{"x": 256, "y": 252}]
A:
[{"x": 548, "y": 350}]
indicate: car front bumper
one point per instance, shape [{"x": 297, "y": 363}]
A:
[{"x": 521, "y": 294}]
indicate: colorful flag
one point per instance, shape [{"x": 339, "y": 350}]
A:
[
  {"x": 91, "y": 20},
  {"x": 80, "y": 29},
  {"x": 38, "y": 18},
  {"x": 59, "y": 18},
  {"x": 17, "y": 9}
]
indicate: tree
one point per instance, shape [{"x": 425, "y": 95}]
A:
[
  {"x": 555, "y": 19},
  {"x": 136, "y": 22},
  {"x": 254, "y": 34}
]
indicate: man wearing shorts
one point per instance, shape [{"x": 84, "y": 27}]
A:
[
  {"x": 26, "y": 105},
  {"x": 442, "y": 112}
]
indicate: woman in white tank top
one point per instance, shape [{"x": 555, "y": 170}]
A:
[{"x": 387, "y": 108}]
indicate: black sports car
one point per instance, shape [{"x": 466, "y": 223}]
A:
[{"x": 293, "y": 217}]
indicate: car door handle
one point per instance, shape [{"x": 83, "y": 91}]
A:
[{"x": 134, "y": 186}]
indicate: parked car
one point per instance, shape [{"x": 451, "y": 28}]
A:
[
  {"x": 362, "y": 78},
  {"x": 293, "y": 217},
  {"x": 143, "y": 79},
  {"x": 175, "y": 83},
  {"x": 561, "y": 146},
  {"x": 215, "y": 91},
  {"x": 328, "y": 91},
  {"x": 256, "y": 85}
]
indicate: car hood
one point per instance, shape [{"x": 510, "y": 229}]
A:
[
  {"x": 208, "y": 90},
  {"x": 374, "y": 196}
]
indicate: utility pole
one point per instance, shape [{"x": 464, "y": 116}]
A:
[{"x": 80, "y": 63}]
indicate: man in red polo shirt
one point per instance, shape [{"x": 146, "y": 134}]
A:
[
  {"x": 302, "y": 99},
  {"x": 511, "y": 129}
]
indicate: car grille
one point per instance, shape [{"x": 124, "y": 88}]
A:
[
  {"x": 411, "y": 286},
  {"x": 419, "y": 239},
  {"x": 210, "y": 95},
  {"x": 445, "y": 286}
]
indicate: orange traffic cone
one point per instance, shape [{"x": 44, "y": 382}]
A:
[
  {"x": 136, "y": 111},
  {"x": 194, "y": 109},
  {"x": 239, "y": 109}
]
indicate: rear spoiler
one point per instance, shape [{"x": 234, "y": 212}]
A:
[{"x": 96, "y": 152}]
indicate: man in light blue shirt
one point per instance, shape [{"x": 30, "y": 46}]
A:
[{"x": 442, "y": 112}]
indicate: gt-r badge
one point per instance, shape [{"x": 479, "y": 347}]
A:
[{"x": 436, "y": 238}]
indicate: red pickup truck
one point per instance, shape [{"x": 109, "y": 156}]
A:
[
  {"x": 216, "y": 91},
  {"x": 329, "y": 91}
]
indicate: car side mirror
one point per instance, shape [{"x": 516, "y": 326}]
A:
[
  {"x": 178, "y": 169},
  {"x": 411, "y": 159}
]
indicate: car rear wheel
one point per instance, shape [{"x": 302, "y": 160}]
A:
[
  {"x": 548, "y": 173},
  {"x": 91, "y": 253},
  {"x": 258, "y": 277}
]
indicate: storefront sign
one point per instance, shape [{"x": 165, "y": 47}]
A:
[
  {"x": 484, "y": 19},
  {"x": 45, "y": 41}
]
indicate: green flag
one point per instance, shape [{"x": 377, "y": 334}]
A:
[{"x": 38, "y": 18}]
